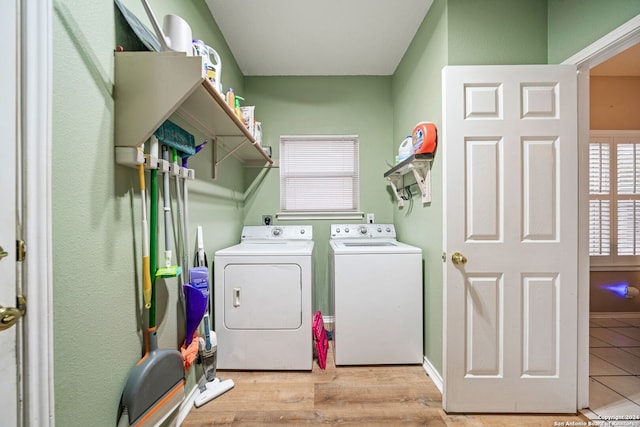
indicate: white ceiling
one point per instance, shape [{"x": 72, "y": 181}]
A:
[{"x": 318, "y": 37}]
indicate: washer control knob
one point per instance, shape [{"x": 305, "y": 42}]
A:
[
  {"x": 277, "y": 231},
  {"x": 379, "y": 229},
  {"x": 302, "y": 231},
  {"x": 346, "y": 230},
  {"x": 338, "y": 230},
  {"x": 388, "y": 229},
  {"x": 362, "y": 229}
]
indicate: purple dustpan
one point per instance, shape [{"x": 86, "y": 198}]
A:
[{"x": 196, "y": 306}]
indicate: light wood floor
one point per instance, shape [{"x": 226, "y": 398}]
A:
[{"x": 353, "y": 396}]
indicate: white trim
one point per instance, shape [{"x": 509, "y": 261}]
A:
[
  {"x": 433, "y": 373},
  {"x": 614, "y": 268},
  {"x": 187, "y": 403},
  {"x": 328, "y": 322},
  {"x": 606, "y": 47},
  {"x": 610, "y": 45},
  {"x": 37, "y": 84}
]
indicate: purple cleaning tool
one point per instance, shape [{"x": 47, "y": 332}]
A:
[{"x": 196, "y": 303}]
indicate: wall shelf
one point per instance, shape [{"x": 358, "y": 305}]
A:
[
  {"x": 420, "y": 166},
  {"x": 151, "y": 86}
]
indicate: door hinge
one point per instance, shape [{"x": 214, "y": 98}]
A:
[{"x": 21, "y": 250}]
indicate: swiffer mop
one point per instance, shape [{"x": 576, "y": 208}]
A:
[
  {"x": 208, "y": 345},
  {"x": 167, "y": 270},
  {"x": 155, "y": 386}
]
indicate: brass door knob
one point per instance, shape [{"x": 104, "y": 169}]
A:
[
  {"x": 9, "y": 315},
  {"x": 458, "y": 258}
]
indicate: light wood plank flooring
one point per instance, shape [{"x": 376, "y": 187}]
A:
[{"x": 350, "y": 396}]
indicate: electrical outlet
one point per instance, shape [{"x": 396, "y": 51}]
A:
[
  {"x": 267, "y": 219},
  {"x": 370, "y": 218}
]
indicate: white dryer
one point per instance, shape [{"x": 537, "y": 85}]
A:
[
  {"x": 376, "y": 296},
  {"x": 263, "y": 296}
]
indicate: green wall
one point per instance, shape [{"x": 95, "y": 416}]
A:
[
  {"x": 322, "y": 106},
  {"x": 96, "y": 233},
  {"x": 98, "y": 322},
  {"x": 472, "y": 32},
  {"x": 455, "y": 32},
  {"x": 575, "y": 24},
  {"x": 417, "y": 96},
  {"x": 497, "y": 32}
]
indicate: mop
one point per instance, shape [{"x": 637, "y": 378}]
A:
[
  {"x": 168, "y": 270},
  {"x": 214, "y": 387}
]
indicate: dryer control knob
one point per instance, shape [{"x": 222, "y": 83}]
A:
[
  {"x": 346, "y": 230},
  {"x": 302, "y": 231},
  {"x": 277, "y": 231},
  {"x": 362, "y": 229}
]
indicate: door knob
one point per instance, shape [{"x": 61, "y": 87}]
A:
[
  {"x": 458, "y": 258},
  {"x": 10, "y": 315}
]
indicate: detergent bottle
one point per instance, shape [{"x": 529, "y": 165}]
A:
[
  {"x": 406, "y": 149},
  {"x": 237, "y": 109},
  {"x": 425, "y": 138},
  {"x": 212, "y": 69}
]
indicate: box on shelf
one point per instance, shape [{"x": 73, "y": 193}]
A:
[{"x": 248, "y": 118}]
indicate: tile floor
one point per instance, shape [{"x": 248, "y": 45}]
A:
[{"x": 614, "y": 369}]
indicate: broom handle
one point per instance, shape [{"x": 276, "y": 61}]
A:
[{"x": 146, "y": 278}]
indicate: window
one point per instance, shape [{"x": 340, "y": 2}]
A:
[
  {"x": 614, "y": 199},
  {"x": 319, "y": 177}
]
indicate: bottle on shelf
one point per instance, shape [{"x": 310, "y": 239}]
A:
[
  {"x": 231, "y": 98},
  {"x": 237, "y": 108}
]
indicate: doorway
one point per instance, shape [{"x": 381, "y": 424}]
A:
[
  {"x": 593, "y": 55},
  {"x": 614, "y": 320}
]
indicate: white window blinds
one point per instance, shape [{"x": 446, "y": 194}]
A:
[
  {"x": 319, "y": 174},
  {"x": 600, "y": 198},
  {"x": 614, "y": 198}
]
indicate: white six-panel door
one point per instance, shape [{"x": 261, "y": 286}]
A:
[
  {"x": 510, "y": 171},
  {"x": 8, "y": 125}
]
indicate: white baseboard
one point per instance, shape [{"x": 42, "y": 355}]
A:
[
  {"x": 433, "y": 374},
  {"x": 187, "y": 403},
  {"x": 328, "y": 322},
  {"x": 619, "y": 314}
]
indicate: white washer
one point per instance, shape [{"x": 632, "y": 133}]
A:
[
  {"x": 263, "y": 296},
  {"x": 376, "y": 296}
]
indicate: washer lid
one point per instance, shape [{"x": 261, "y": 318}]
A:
[
  {"x": 281, "y": 247},
  {"x": 371, "y": 246}
]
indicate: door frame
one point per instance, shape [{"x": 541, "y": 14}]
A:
[
  {"x": 36, "y": 33},
  {"x": 623, "y": 37}
]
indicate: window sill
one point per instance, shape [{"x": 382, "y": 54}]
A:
[
  {"x": 605, "y": 268},
  {"x": 295, "y": 216}
]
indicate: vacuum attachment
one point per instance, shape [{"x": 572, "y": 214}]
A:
[{"x": 211, "y": 390}]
